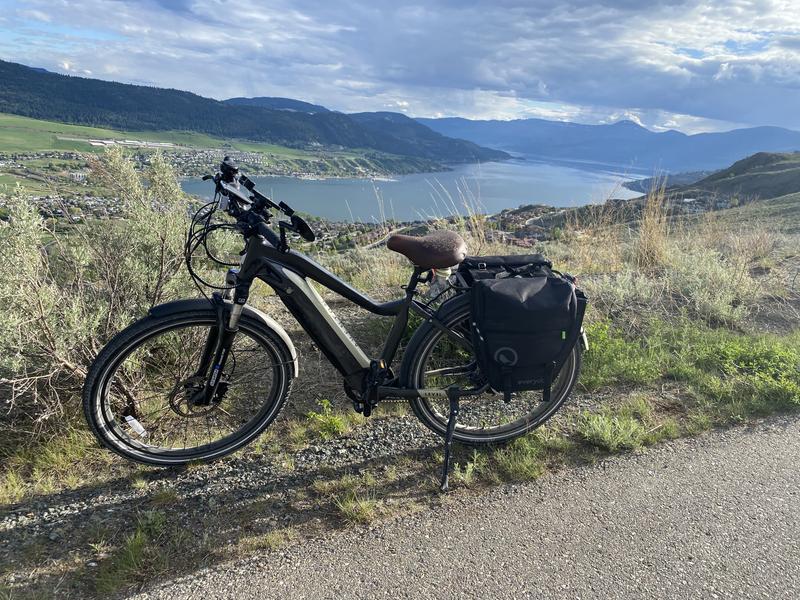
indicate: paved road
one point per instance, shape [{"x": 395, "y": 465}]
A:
[{"x": 713, "y": 517}]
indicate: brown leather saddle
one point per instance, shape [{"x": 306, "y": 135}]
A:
[{"x": 436, "y": 250}]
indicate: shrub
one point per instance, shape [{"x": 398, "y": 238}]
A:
[
  {"x": 67, "y": 292},
  {"x": 710, "y": 286}
]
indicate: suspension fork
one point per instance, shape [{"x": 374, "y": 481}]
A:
[{"x": 220, "y": 337}]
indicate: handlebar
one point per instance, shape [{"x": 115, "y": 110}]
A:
[{"x": 254, "y": 209}]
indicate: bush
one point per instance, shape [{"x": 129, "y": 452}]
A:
[
  {"x": 710, "y": 286},
  {"x": 68, "y": 291}
]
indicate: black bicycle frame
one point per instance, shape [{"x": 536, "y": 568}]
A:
[{"x": 287, "y": 272}]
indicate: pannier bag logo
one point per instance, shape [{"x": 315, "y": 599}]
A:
[{"x": 506, "y": 356}]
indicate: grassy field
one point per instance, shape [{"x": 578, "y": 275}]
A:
[
  {"x": 39, "y": 177},
  {"x": 21, "y": 134}
]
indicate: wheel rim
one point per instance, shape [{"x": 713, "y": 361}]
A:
[
  {"x": 487, "y": 416},
  {"x": 154, "y": 373}
]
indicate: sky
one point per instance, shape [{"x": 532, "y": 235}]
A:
[{"x": 667, "y": 64}]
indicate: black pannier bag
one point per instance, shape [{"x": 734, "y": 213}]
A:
[
  {"x": 475, "y": 268},
  {"x": 524, "y": 328}
]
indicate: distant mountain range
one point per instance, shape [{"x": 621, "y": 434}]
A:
[
  {"x": 624, "y": 144},
  {"x": 42, "y": 95},
  {"x": 37, "y": 93}
]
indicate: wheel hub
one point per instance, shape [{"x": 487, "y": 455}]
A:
[{"x": 187, "y": 398}]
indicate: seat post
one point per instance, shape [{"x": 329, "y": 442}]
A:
[{"x": 401, "y": 320}]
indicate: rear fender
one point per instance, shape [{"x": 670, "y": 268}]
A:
[{"x": 195, "y": 304}]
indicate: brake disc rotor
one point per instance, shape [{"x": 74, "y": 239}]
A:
[{"x": 180, "y": 399}]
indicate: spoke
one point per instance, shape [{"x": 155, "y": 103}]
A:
[
  {"x": 155, "y": 412},
  {"x": 149, "y": 375},
  {"x": 453, "y": 370},
  {"x": 223, "y": 423}
]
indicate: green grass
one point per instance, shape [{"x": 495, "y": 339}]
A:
[
  {"x": 356, "y": 506},
  {"x": 630, "y": 426},
  {"x": 521, "y": 460},
  {"x": 614, "y": 360},
  {"x": 141, "y": 555},
  {"x": 22, "y": 134},
  {"x": 468, "y": 472},
  {"x": 612, "y": 432},
  {"x": 9, "y": 181},
  {"x": 12, "y": 487},
  {"x": 720, "y": 366},
  {"x": 780, "y": 214},
  {"x": 762, "y": 175},
  {"x": 64, "y": 461},
  {"x": 271, "y": 540},
  {"x": 727, "y": 377},
  {"x": 327, "y": 423}
]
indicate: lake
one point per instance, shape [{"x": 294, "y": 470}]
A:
[{"x": 489, "y": 187}]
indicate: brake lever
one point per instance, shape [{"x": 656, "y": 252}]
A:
[{"x": 282, "y": 227}]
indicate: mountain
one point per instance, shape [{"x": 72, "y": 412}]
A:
[
  {"x": 624, "y": 144},
  {"x": 41, "y": 95},
  {"x": 762, "y": 175},
  {"x": 419, "y": 136},
  {"x": 278, "y": 104}
]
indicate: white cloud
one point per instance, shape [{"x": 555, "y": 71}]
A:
[
  {"x": 691, "y": 64},
  {"x": 36, "y": 15}
]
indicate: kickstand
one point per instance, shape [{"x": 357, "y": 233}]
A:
[{"x": 453, "y": 394}]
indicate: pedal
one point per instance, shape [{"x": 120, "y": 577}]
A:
[{"x": 375, "y": 377}]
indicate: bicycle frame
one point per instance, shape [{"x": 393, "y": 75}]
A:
[{"x": 288, "y": 273}]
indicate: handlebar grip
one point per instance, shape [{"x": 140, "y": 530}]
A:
[{"x": 247, "y": 182}]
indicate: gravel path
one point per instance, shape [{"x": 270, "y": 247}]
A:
[{"x": 710, "y": 517}]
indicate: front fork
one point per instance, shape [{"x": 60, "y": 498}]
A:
[{"x": 220, "y": 337}]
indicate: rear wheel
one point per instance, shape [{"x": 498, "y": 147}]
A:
[
  {"x": 140, "y": 397},
  {"x": 435, "y": 360}
]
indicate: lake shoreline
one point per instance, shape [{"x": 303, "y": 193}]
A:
[{"x": 486, "y": 188}]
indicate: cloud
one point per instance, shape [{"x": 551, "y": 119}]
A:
[
  {"x": 36, "y": 15},
  {"x": 691, "y": 64}
]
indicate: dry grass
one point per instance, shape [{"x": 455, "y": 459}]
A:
[{"x": 650, "y": 246}]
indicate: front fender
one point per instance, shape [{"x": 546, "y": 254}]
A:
[{"x": 195, "y": 304}]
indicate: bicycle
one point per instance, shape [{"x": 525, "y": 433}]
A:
[{"x": 197, "y": 379}]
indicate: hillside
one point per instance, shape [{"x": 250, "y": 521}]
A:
[
  {"x": 97, "y": 103},
  {"x": 763, "y": 175},
  {"x": 624, "y": 144},
  {"x": 428, "y": 142},
  {"x": 643, "y": 186}
]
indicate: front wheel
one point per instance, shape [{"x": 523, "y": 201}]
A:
[
  {"x": 434, "y": 360},
  {"x": 141, "y": 393}
]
